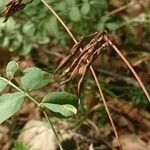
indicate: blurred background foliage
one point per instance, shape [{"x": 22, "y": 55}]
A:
[{"x": 35, "y": 25}]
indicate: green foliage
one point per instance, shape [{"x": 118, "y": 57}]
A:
[
  {"x": 131, "y": 93},
  {"x": 19, "y": 146},
  {"x": 34, "y": 79},
  {"x": 61, "y": 103},
  {"x": 85, "y": 9},
  {"x": 36, "y": 25},
  {"x": 75, "y": 14},
  {"x": 138, "y": 98},
  {"x": 11, "y": 69},
  {"x": 102, "y": 117},
  {"x": 10, "y": 103}
]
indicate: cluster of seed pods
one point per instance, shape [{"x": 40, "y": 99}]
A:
[{"x": 83, "y": 54}]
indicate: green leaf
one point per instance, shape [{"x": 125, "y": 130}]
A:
[
  {"x": 61, "y": 6},
  {"x": 75, "y": 14},
  {"x": 61, "y": 98},
  {"x": 70, "y": 2},
  {"x": 16, "y": 42},
  {"x": 61, "y": 110},
  {"x": 102, "y": 22},
  {"x": 3, "y": 85},
  {"x": 52, "y": 26},
  {"x": 85, "y": 9},
  {"x": 112, "y": 26},
  {"x": 34, "y": 79},
  {"x": 62, "y": 104},
  {"x": 11, "y": 69},
  {"x": 9, "y": 104},
  {"x": 24, "y": 48},
  {"x": 29, "y": 29}
]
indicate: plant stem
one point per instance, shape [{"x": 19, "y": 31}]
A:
[
  {"x": 55, "y": 133},
  {"x": 60, "y": 20},
  {"x": 131, "y": 68},
  {"x": 13, "y": 85},
  {"x": 20, "y": 90},
  {"x": 38, "y": 104}
]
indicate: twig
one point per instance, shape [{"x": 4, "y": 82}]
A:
[
  {"x": 119, "y": 9},
  {"x": 130, "y": 67},
  {"x": 106, "y": 107},
  {"x": 92, "y": 71},
  {"x": 60, "y": 20}
]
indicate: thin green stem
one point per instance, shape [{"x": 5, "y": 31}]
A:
[
  {"x": 51, "y": 125},
  {"x": 13, "y": 85},
  {"x": 33, "y": 100},
  {"x": 20, "y": 90}
]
